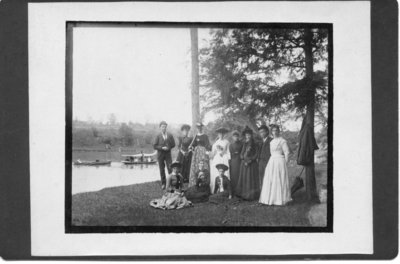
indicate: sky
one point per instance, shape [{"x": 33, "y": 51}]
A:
[{"x": 139, "y": 74}]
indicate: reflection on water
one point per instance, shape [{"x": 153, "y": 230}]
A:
[{"x": 94, "y": 178}]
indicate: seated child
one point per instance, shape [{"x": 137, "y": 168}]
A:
[
  {"x": 173, "y": 197},
  {"x": 222, "y": 189},
  {"x": 200, "y": 192}
]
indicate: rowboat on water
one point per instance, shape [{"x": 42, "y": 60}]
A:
[
  {"x": 141, "y": 158},
  {"x": 93, "y": 163}
]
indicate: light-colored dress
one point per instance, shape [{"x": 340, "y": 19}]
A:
[
  {"x": 220, "y": 155},
  {"x": 201, "y": 145},
  {"x": 173, "y": 197},
  {"x": 276, "y": 189}
]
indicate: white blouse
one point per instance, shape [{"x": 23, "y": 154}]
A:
[
  {"x": 279, "y": 148},
  {"x": 224, "y": 143}
]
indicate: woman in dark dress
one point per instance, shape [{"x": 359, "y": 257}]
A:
[
  {"x": 234, "y": 163},
  {"x": 201, "y": 148},
  {"x": 184, "y": 155},
  {"x": 201, "y": 191},
  {"x": 173, "y": 197},
  {"x": 223, "y": 190},
  {"x": 248, "y": 185}
]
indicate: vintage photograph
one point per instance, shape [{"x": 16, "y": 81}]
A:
[{"x": 184, "y": 127}]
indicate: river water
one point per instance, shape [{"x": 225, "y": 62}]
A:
[{"x": 94, "y": 178}]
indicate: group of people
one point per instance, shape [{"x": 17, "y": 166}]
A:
[{"x": 217, "y": 172}]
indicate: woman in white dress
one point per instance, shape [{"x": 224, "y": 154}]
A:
[
  {"x": 219, "y": 155},
  {"x": 275, "y": 189}
]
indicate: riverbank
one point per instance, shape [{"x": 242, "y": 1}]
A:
[
  {"x": 129, "y": 206},
  {"x": 113, "y": 155}
]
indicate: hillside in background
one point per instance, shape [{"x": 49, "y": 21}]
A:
[{"x": 134, "y": 137}]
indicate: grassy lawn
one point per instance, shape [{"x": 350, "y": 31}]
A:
[{"x": 129, "y": 206}]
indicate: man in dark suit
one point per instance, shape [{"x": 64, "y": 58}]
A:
[
  {"x": 163, "y": 143},
  {"x": 264, "y": 152}
]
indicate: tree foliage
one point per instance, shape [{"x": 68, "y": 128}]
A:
[
  {"x": 118, "y": 135},
  {"x": 126, "y": 134},
  {"x": 255, "y": 75}
]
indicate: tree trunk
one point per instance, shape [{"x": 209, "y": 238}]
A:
[
  {"x": 311, "y": 186},
  {"x": 195, "y": 77}
]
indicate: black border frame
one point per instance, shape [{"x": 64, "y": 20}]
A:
[
  {"x": 14, "y": 139},
  {"x": 69, "y": 228}
]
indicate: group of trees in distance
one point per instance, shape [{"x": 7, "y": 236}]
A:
[
  {"x": 97, "y": 135},
  {"x": 92, "y": 135}
]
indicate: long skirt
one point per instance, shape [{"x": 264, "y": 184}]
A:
[
  {"x": 185, "y": 160},
  {"x": 214, "y": 171},
  {"x": 197, "y": 194},
  {"x": 199, "y": 153},
  {"x": 276, "y": 189},
  {"x": 248, "y": 185},
  {"x": 170, "y": 201},
  {"x": 234, "y": 170}
]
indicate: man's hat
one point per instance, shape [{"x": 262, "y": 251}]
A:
[
  {"x": 176, "y": 164},
  {"x": 263, "y": 127},
  {"x": 222, "y": 130},
  {"x": 163, "y": 123},
  {"x": 275, "y": 126},
  {"x": 222, "y": 167},
  {"x": 247, "y": 130},
  {"x": 235, "y": 133},
  {"x": 185, "y": 127}
]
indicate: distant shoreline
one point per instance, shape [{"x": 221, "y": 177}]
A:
[
  {"x": 112, "y": 150},
  {"x": 114, "y": 154}
]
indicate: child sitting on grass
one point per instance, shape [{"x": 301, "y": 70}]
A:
[
  {"x": 222, "y": 189},
  {"x": 200, "y": 192},
  {"x": 173, "y": 197}
]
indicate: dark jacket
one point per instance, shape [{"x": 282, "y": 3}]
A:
[
  {"x": 174, "y": 184},
  {"x": 307, "y": 145},
  {"x": 159, "y": 143},
  {"x": 235, "y": 149},
  {"x": 264, "y": 152},
  {"x": 184, "y": 143},
  {"x": 202, "y": 141},
  {"x": 226, "y": 183},
  {"x": 206, "y": 179},
  {"x": 249, "y": 152}
]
